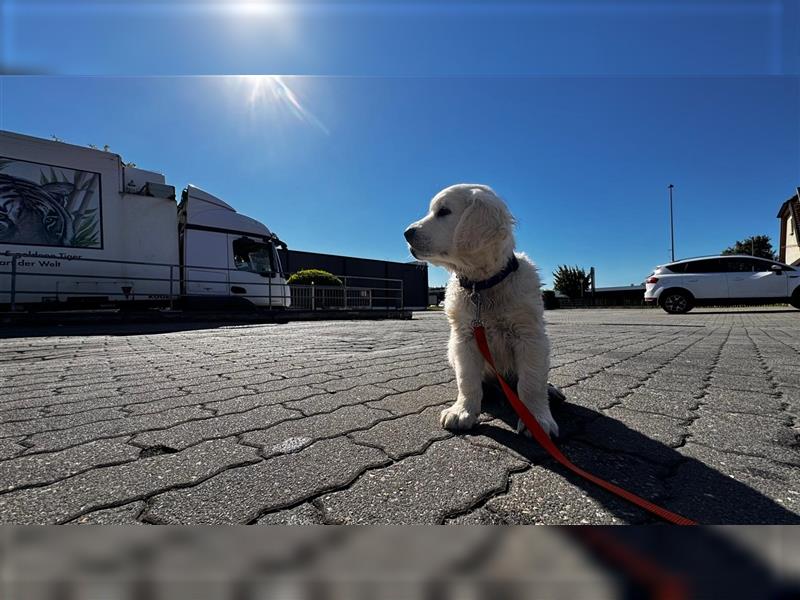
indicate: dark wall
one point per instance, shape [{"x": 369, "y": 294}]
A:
[
  {"x": 627, "y": 297},
  {"x": 413, "y": 275},
  {"x": 624, "y": 297}
]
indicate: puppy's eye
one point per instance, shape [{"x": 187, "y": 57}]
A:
[{"x": 443, "y": 212}]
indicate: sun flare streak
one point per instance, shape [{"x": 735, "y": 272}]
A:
[{"x": 273, "y": 91}]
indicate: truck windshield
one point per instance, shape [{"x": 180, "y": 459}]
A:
[{"x": 253, "y": 256}]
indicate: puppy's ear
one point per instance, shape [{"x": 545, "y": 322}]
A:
[{"x": 485, "y": 221}]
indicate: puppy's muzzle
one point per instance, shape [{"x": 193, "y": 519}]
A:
[{"x": 410, "y": 233}]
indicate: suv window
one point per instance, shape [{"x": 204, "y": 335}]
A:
[
  {"x": 749, "y": 265},
  {"x": 742, "y": 265},
  {"x": 761, "y": 265},
  {"x": 709, "y": 265},
  {"x": 676, "y": 267},
  {"x": 767, "y": 266}
]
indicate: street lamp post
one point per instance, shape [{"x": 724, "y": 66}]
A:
[{"x": 671, "y": 228}]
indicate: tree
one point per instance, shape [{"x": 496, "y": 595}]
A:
[
  {"x": 755, "y": 245},
  {"x": 314, "y": 276},
  {"x": 571, "y": 281}
]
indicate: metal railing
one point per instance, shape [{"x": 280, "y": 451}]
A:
[{"x": 166, "y": 283}]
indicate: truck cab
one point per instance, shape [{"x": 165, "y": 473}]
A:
[{"x": 227, "y": 254}]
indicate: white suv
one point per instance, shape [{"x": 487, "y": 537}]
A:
[{"x": 682, "y": 285}]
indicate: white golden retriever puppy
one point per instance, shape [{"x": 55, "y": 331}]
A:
[{"x": 469, "y": 231}]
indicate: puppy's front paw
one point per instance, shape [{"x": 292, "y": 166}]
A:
[
  {"x": 457, "y": 418},
  {"x": 547, "y": 422}
]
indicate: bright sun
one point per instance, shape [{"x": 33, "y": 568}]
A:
[{"x": 265, "y": 7}]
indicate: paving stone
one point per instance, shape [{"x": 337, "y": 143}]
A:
[
  {"x": 341, "y": 385},
  {"x": 120, "y": 484},
  {"x": 21, "y": 414},
  {"x": 612, "y": 434},
  {"x": 785, "y": 376},
  {"x": 679, "y": 405},
  {"x": 121, "y": 515},
  {"x": 728, "y": 367},
  {"x": 189, "y": 433},
  {"x": 305, "y": 514},
  {"x": 412, "y": 402},
  {"x": 542, "y": 496},
  {"x": 451, "y": 477},
  {"x": 57, "y": 440},
  {"x": 480, "y": 516},
  {"x": 563, "y": 378},
  {"x": 78, "y": 405},
  {"x": 327, "y": 402},
  {"x": 751, "y": 384},
  {"x": 41, "y": 424},
  {"x": 289, "y": 393},
  {"x": 291, "y": 436},
  {"x": 272, "y": 484},
  {"x": 630, "y": 368},
  {"x": 759, "y": 435},
  {"x": 10, "y": 447},
  {"x": 415, "y": 382},
  {"x": 714, "y": 487},
  {"x": 675, "y": 383},
  {"x": 683, "y": 367},
  {"x": 38, "y": 469},
  {"x": 616, "y": 384},
  {"x": 791, "y": 396},
  {"x": 661, "y": 429},
  {"x": 400, "y": 437},
  {"x": 591, "y": 397},
  {"x": 734, "y": 401}
]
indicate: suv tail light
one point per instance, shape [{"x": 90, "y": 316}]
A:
[{"x": 651, "y": 280}]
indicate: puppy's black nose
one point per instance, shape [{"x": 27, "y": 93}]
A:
[{"x": 410, "y": 233}]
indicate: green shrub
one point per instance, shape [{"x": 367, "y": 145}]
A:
[{"x": 315, "y": 276}]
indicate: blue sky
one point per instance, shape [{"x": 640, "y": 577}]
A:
[{"x": 578, "y": 113}]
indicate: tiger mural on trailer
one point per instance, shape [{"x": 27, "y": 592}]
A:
[{"x": 35, "y": 214}]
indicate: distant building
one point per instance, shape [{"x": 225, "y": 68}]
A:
[
  {"x": 368, "y": 272},
  {"x": 435, "y": 295},
  {"x": 789, "y": 214}
]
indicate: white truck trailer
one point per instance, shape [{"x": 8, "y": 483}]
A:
[{"x": 78, "y": 227}]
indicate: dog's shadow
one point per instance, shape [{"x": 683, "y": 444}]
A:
[{"x": 610, "y": 449}]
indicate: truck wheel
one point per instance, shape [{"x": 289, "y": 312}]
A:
[{"x": 676, "y": 302}]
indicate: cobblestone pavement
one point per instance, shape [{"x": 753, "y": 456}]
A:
[{"x": 337, "y": 422}]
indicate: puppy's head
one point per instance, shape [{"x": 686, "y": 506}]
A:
[{"x": 466, "y": 224}]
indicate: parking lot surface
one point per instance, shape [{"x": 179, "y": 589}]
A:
[{"x": 337, "y": 422}]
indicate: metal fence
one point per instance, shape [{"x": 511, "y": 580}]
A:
[
  {"x": 364, "y": 293},
  {"x": 123, "y": 282}
]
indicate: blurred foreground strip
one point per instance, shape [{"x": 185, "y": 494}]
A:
[{"x": 295, "y": 563}]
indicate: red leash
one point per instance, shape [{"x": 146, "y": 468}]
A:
[{"x": 544, "y": 440}]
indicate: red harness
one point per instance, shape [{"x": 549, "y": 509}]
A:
[{"x": 544, "y": 440}]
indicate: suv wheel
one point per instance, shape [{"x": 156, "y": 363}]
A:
[
  {"x": 795, "y": 299},
  {"x": 676, "y": 303}
]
